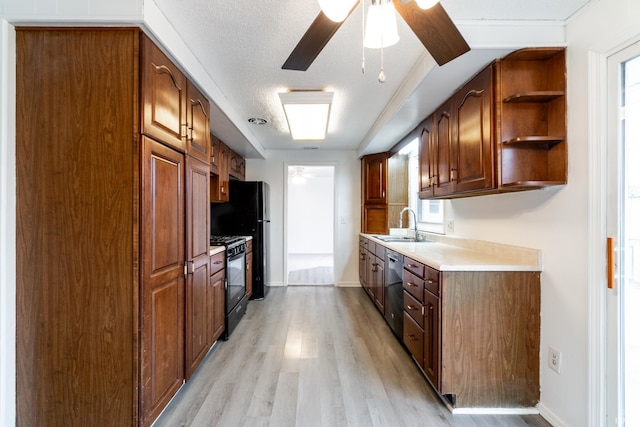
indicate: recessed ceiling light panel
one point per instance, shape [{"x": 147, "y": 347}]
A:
[{"x": 307, "y": 114}]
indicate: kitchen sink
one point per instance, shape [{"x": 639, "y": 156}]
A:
[{"x": 395, "y": 238}]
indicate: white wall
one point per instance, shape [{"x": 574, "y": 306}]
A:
[
  {"x": 556, "y": 221},
  {"x": 7, "y": 225},
  {"x": 347, "y": 183}
]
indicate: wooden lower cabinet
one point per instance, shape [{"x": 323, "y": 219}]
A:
[
  {"x": 475, "y": 335},
  {"x": 215, "y": 297},
  {"x": 249, "y": 272}
]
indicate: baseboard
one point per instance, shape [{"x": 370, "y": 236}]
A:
[
  {"x": 495, "y": 411},
  {"x": 551, "y": 418},
  {"x": 275, "y": 284},
  {"x": 349, "y": 284}
]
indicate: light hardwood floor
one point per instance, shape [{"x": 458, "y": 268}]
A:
[{"x": 315, "y": 356}]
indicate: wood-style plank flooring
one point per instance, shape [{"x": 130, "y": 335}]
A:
[{"x": 315, "y": 356}]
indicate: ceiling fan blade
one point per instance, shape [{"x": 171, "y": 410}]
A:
[
  {"x": 435, "y": 29},
  {"x": 312, "y": 42}
]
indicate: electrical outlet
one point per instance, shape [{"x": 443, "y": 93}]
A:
[
  {"x": 555, "y": 359},
  {"x": 450, "y": 226}
]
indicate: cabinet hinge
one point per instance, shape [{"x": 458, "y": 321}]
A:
[
  {"x": 454, "y": 175},
  {"x": 185, "y": 268}
]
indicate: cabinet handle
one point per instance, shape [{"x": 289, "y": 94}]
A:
[
  {"x": 411, "y": 307},
  {"x": 423, "y": 312},
  {"x": 412, "y": 337},
  {"x": 412, "y": 266},
  {"x": 410, "y": 284},
  {"x": 454, "y": 174},
  {"x": 218, "y": 262},
  {"x": 430, "y": 281}
]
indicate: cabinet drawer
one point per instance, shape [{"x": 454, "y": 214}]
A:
[
  {"x": 371, "y": 246},
  {"x": 217, "y": 263},
  {"x": 413, "y": 338},
  {"x": 414, "y": 285},
  {"x": 432, "y": 280},
  {"x": 413, "y": 307},
  {"x": 415, "y": 267}
]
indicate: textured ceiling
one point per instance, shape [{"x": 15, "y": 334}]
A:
[{"x": 243, "y": 44}]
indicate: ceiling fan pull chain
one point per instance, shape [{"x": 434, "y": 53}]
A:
[{"x": 382, "y": 77}]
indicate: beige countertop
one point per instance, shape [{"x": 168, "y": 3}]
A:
[
  {"x": 446, "y": 253},
  {"x": 215, "y": 250}
]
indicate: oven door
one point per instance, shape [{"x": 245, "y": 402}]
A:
[{"x": 236, "y": 289}]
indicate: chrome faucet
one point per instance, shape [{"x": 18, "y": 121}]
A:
[{"x": 415, "y": 221}]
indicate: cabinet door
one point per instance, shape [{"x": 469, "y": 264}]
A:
[
  {"x": 472, "y": 133},
  {"x": 371, "y": 270},
  {"x": 427, "y": 159},
  {"x": 363, "y": 265},
  {"x": 236, "y": 165},
  {"x": 163, "y": 281},
  {"x": 374, "y": 219},
  {"x": 223, "y": 172},
  {"x": 374, "y": 178},
  {"x": 432, "y": 345},
  {"x": 164, "y": 96},
  {"x": 215, "y": 148},
  {"x": 446, "y": 168},
  {"x": 198, "y": 262},
  {"x": 198, "y": 116},
  {"x": 378, "y": 284},
  {"x": 249, "y": 275},
  {"x": 215, "y": 295}
]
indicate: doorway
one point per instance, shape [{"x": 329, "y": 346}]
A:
[
  {"x": 623, "y": 211},
  {"x": 310, "y": 215}
]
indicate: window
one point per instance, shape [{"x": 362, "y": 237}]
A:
[{"x": 430, "y": 213}]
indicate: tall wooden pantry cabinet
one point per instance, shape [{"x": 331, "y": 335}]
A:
[{"x": 112, "y": 155}]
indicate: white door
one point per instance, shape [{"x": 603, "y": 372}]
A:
[
  {"x": 623, "y": 224},
  {"x": 310, "y": 215}
]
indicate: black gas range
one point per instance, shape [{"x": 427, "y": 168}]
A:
[{"x": 235, "y": 280}]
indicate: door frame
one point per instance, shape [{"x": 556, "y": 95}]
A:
[
  {"x": 599, "y": 135},
  {"x": 285, "y": 246}
]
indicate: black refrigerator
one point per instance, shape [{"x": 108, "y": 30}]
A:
[{"x": 247, "y": 214}]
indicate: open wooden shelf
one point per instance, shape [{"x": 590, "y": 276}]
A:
[
  {"x": 535, "y": 141},
  {"x": 534, "y": 96}
]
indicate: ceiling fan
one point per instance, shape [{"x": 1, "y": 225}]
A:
[{"x": 433, "y": 27}]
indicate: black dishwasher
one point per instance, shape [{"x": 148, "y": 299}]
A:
[{"x": 393, "y": 296}]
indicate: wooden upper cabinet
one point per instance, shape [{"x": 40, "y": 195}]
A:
[
  {"x": 220, "y": 180},
  {"x": 164, "y": 93},
  {"x": 215, "y": 148},
  {"x": 374, "y": 178},
  {"x": 504, "y": 130},
  {"x": 472, "y": 134},
  {"x": 428, "y": 158},
  {"x": 236, "y": 165},
  {"x": 198, "y": 118},
  {"x": 445, "y": 162}
]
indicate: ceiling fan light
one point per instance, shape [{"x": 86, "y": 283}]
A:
[
  {"x": 381, "y": 29},
  {"x": 426, "y": 4},
  {"x": 336, "y": 10}
]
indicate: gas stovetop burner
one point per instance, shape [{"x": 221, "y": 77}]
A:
[{"x": 225, "y": 240}]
